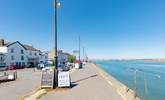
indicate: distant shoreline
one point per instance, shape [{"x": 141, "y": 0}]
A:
[
  {"x": 149, "y": 60},
  {"x": 155, "y": 60}
]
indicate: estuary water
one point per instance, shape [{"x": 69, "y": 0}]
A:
[{"x": 144, "y": 77}]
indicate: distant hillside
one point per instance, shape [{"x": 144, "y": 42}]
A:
[{"x": 155, "y": 60}]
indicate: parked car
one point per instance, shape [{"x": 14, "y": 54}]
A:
[
  {"x": 19, "y": 67},
  {"x": 12, "y": 67},
  {"x": 3, "y": 68},
  {"x": 30, "y": 66},
  {"x": 70, "y": 65},
  {"x": 63, "y": 67},
  {"x": 48, "y": 68},
  {"x": 41, "y": 65}
]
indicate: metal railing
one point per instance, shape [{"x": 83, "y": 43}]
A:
[{"x": 143, "y": 74}]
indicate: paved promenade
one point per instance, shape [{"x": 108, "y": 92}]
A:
[
  {"x": 27, "y": 81},
  {"x": 88, "y": 84}
]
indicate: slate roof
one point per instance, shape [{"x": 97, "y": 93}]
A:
[
  {"x": 28, "y": 47},
  {"x": 25, "y": 46}
]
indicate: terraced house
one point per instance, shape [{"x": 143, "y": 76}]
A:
[{"x": 20, "y": 55}]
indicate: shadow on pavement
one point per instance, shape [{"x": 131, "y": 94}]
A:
[
  {"x": 84, "y": 78},
  {"x": 73, "y": 85}
]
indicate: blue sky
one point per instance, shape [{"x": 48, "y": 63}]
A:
[{"x": 108, "y": 28}]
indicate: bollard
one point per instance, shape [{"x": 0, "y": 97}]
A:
[
  {"x": 15, "y": 75},
  {"x": 5, "y": 74}
]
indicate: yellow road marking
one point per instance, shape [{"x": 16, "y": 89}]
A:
[
  {"x": 121, "y": 95},
  {"x": 106, "y": 79},
  {"x": 29, "y": 93},
  {"x": 102, "y": 73}
]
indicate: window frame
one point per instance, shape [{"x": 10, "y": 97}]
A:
[
  {"x": 22, "y": 58},
  {"x": 22, "y": 51},
  {"x": 12, "y": 50}
]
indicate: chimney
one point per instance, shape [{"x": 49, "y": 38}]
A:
[{"x": 2, "y": 43}]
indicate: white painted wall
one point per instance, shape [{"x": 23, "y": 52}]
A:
[
  {"x": 17, "y": 54},
  {"x": 26, "y": 54},
  {"x": 44, "y": 57},
  {"x": 32, "y": 54}
]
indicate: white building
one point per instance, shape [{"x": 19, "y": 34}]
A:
[
  {"x": 43, "y": 57},
  {"x": 62, "y": 57},
  {"x": 16, "y": 54},
  {"x": 20, "y": 55}
]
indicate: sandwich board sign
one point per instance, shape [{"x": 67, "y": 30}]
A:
[
  {"x": 47, "y": 79},
  {"x": 64, "y": 79}
]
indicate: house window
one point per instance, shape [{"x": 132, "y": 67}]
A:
[
  {"x": 17, "y": 63},
  {"x": 35, "y": 54},
  {"x": 22, "y": 52},
  {"x": 12, "y": 57},
  {"x": 23, "y": 63},
  {"x": 12, "y": 50},
  {"x": 30, "y": 53},
  {"x": 1, "y": 58},
  {"x": 22, "y": 57}
]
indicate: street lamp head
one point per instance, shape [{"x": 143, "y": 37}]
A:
[{"x": 58, "y": 4}]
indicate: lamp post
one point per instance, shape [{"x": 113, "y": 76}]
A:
[
  {"x": 83, "y": 53},
  {"x": 55, "y": 81},
  {"x": 79, "y": 49}
]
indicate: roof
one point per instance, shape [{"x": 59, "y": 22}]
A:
[
  {"x": 27, "y": 47},
  {"x": 11, "y": 43},
  {"x": 65, "y": 53}
]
